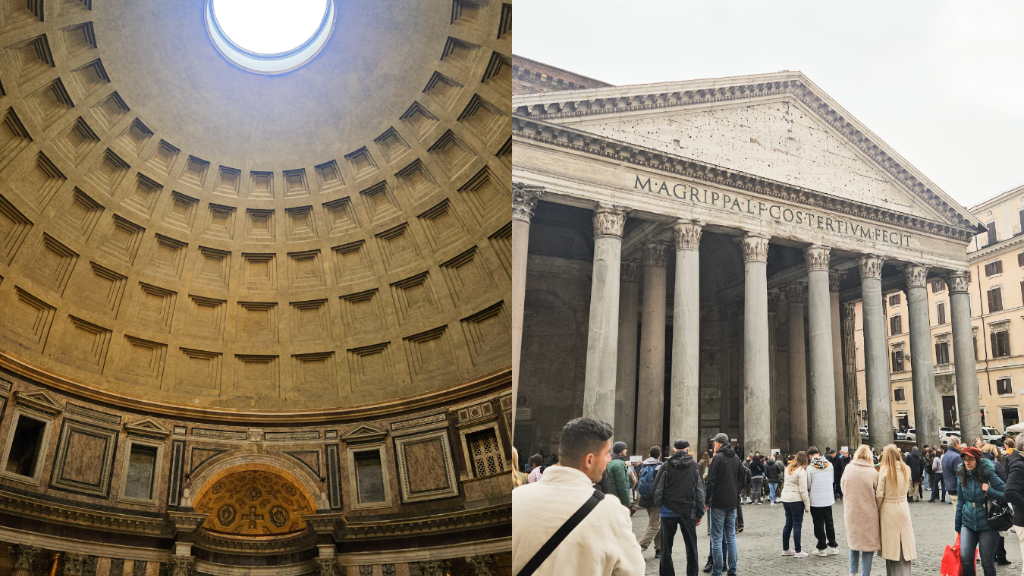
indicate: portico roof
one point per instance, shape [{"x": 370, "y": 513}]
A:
[{"x": 548, "y": 112}]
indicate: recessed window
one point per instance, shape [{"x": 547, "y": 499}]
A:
[
  {"x": 369, "y": 477},
  {"x": 895, "y": 326},
  {"x": 900, "y": 395},
  {"x": 25, "y": 447},
  {"x": 995, "y": 300},
  {"x": 1001, "y": 344},
  {"x": 942, "y": 353},
  {"x": 141, "y": 472},
  {"x": 938, "y": 286},
  {"x": 484, "y": 450},
  {"x": 940, "y": 312},
  {"x": 269, "y": 36},
  {"x": 1004, "y": 386},
  {"x": 894, "y": 300},
  {"x": 897, "y": 361},
  {"x": 993, "y": 268}
]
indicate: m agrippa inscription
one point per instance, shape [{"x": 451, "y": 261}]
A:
[{"x": 686, "y": 192}]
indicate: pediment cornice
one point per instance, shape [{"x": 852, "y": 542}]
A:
[
  {"x": 554, "y": 106},
  {"x": 577, "y": 140}
]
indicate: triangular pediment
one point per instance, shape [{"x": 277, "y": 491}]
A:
[
  {"x": 362, "y": 433},
  {"x": 40, "y": 401},
  {"x": 147, "y": 427},
  {"x": 779, "y": 127}
]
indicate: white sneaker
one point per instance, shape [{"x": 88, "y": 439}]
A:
[
  {"x": 819, "y": 552},
  {"x": 833, "y": 551},
  {"x": 787, "y": 553},
  {"x": 800, "y": 555}
]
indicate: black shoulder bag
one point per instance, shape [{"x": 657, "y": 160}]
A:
[
  {"x": 561, "y": 534},
  {"x": 998, "y": 514}
]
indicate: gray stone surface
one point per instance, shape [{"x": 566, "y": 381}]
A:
[
  {"x": 650, "y": 405},
  {"x": 819, "y": 323},
  {"x": 876, "y": 358},
  {"x": 926, "y": 410},
  {"x": 603, "y": 339},
  {"x": 685, "y": 399},
  {"x": 967, "y": 392},
  {"x": 756, "y": 383},
  {"x": 625, "y": 381},
  {"x": 795, "y": 298},
  {"x": 760, "y": 543}
]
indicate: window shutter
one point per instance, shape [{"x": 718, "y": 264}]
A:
[
  {"x": 1020, "y": 257},
  {"x": 997, "y": 298},
  {"x": 938, "y": 353},
  {"x": 999, "y": 266},
  {"x": 990, "y": 309}
]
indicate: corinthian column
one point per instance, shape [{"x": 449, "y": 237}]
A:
[
  {"x": 756, "y": 382},
  {"x": 926, "y": 411},
  {"x": 524, "y": 199},
  {"x": 819, "y": 321},
  {"x": 967, "y": 392},
  {"x": 625, "y": 381},
  {"x": 796, "y": 296},
  {"x": 849, "y": 313},
  {"x": 603, "y": 337},
  {"x": 876, "y": 365},
  {"x": 651, "y": 399},
  {"x": 684, "y": 411},
  {"x": 834, "y": 278}
]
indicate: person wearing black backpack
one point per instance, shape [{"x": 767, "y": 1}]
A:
[
  {"x": 645, "y": 486},
  {"x": 1014, "y": 464},
  {"x": 679, "y": 493}
]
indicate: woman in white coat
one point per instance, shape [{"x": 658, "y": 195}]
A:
[
  {"x": 796, "y": 501},
  {"x": 898, "y": 546}
]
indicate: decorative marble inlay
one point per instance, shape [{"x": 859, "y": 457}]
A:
[
  {"x": 871, "y": 267},
  {"x": 817, "y": 257},
  {"x": 655, "y": 255},
  {"x": 524, "y": 200},
  {"x": 609, "y": 220},
  {"x": 917, "y": 276},
  {"x": 687, "y": 234},
  {"x": 755, "y": 247}
]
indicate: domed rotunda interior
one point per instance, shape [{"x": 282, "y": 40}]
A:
[{"x": 255, "y": 274}]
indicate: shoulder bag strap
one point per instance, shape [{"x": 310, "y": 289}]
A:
[{"x": 561, "y": 534}]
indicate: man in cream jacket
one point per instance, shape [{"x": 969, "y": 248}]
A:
[{"x": 603, "y": 544}]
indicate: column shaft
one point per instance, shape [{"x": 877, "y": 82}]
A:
[
  {"x": 625, "y": 382},
  {"x": 650, "y": 417},
  {"x": 926, "y": 410},
  {"x": 684, "y": 410},
  {"x": 876, "y": 365},
  {"x": 602, "y": 341},
  {"x": 967, "y": 391},
  {"x": 849, "y": 319},
  {"x": 834, "y": 278},
  {"x": 756, "y": 383},
  {"x": 524, "y": 199},
  {"x": 798, "y": 433},
  {"x": 819, "y": 321}
]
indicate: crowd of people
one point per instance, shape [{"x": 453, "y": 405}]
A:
[{"x": 593, "y": 480}]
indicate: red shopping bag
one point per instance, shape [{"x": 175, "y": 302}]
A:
[{"x": 951, "y": 560}]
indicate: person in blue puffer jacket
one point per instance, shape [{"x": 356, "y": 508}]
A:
[{"x": 976, "y": 481}]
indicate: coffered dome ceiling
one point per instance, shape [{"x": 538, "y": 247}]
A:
[{"x": 177, "y": 230}]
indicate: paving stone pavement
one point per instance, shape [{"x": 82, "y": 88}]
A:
[{"x": 760, "y": 543}]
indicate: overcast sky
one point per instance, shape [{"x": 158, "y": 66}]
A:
[{"x": 941, "y": 82}]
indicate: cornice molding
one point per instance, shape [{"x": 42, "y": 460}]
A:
[
  {"x": 359, "y": 413},
  {"x": 591, "y": 104},
  {"x": 57, "y": 513},
  {"x": 577, "y": 140},
  {"x": 463, "y": 520}
]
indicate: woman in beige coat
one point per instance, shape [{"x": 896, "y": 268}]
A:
[
  {"x": 860, "y": 510},
  {"x": 898, "y": 547}
]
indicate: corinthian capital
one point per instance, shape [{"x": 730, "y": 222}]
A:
[
  {"x": 755, "y": 247},
  {"x": 631, "y": 271},
  {"x": 182, "y": 565},
  {"x": 958, "y": 282},
  {"x": 835, "y": 277},
  {"x": 871, "y": 267},
  {"x": 687, "y": 233},
  {"x": 74, "y": 564},
  {"x": 24, "y": 556},
  {"x": 524, "y": 200},
  {"x": 917, "y": 276},
  {"x": 655, "y": 255},
  {"x": 796, "y": 293},
  {"x": 609, "y": 220},
  {"x": 816, "y": 256}
]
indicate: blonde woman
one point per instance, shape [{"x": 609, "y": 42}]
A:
[
  {"x": 860, "y": 510},
  {"x": 796, "y": 501},
  {"x": 898, "y": 547}
]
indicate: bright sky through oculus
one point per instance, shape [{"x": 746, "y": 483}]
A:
[{"x": 269, "y": 26}]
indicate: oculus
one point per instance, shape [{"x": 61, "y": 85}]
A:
[{"x": 269, "y": 36}]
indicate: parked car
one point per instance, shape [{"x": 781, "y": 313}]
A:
[
  {"x": 992, "y": 436},
  {"x": 897, "y": 435},
  {"x": 864, "y": 432},
  {"x": 911, "y": 435},
  {"x": 945, "y": 433}
]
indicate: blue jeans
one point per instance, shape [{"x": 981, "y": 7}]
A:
[
  {"x": 986, "y": 542},
  {"x": 723, "y": 527},
  {"x": 771, "y": 490},
  {"x": 862, "y": 558},
  {"x": 794, "y": 521},
  {"x": 927, "y": 480}
]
